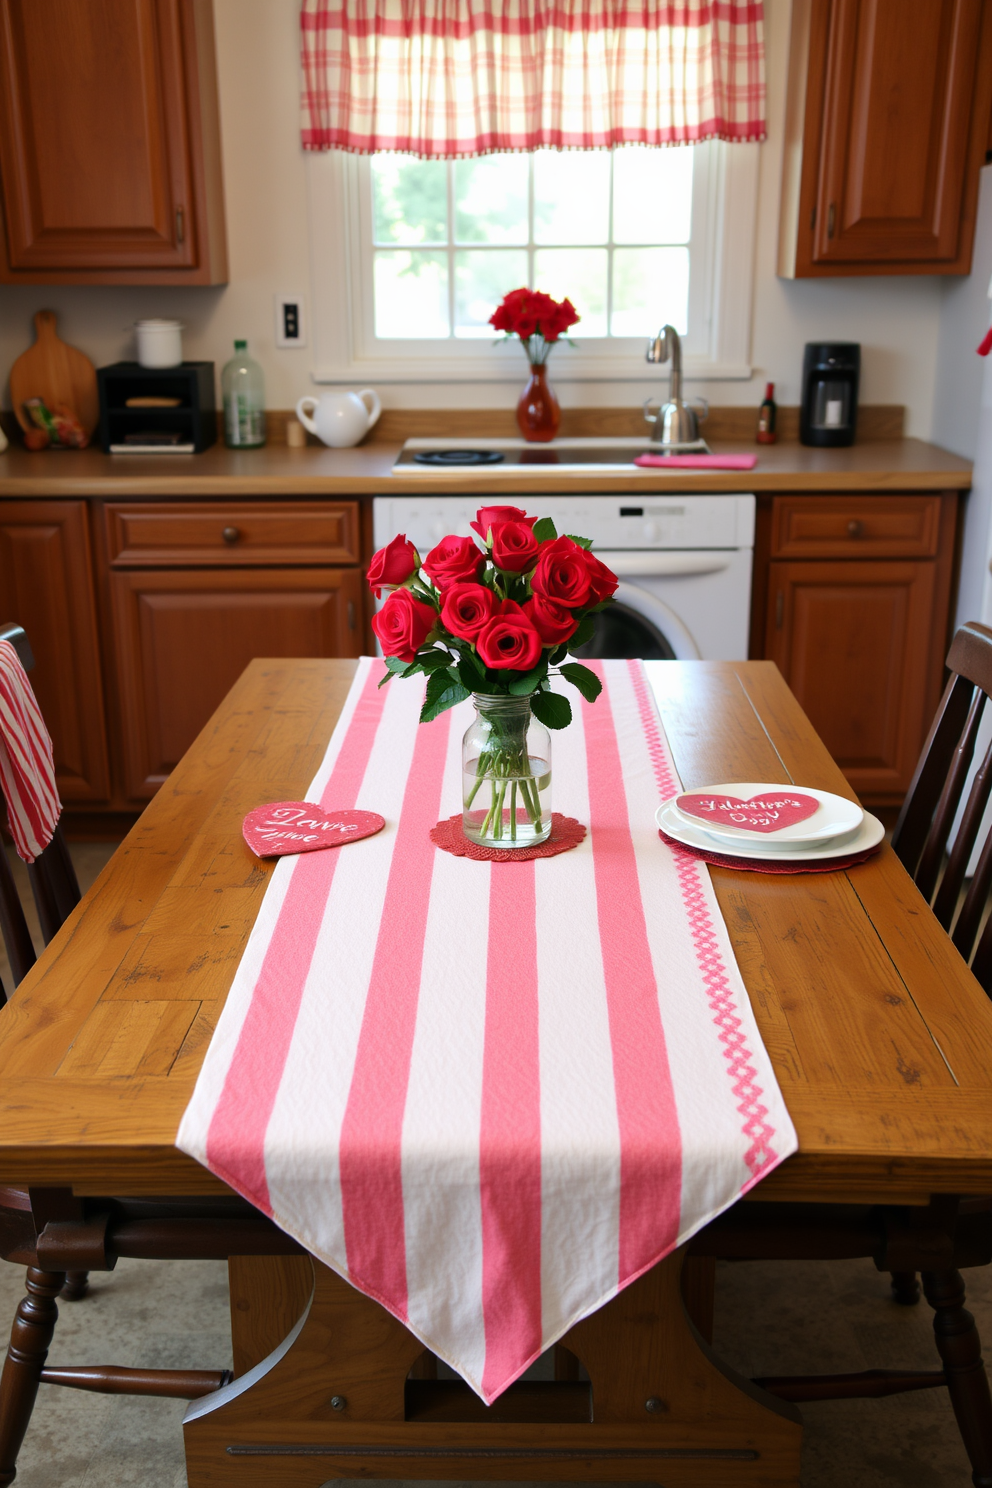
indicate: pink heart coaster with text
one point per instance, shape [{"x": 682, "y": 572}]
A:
[
  {"x": 299, "y": 826},
  {"x": 766, "y": 813}
]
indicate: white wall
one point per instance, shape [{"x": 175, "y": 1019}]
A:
[{"x": 896, "y": 319}]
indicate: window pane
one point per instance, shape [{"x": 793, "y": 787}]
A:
[
  {"x": 481, "y": 280},
  {"x": 491, "y": 199},
  {"x": 652, "y": 195},
  {"x": 571, "y": 196},
  {"x": 650, "y": 289},
  {"x": 411, "y": 294},
  {"x": 579, "y": 273},
  {"x": 409, "y": 200}
]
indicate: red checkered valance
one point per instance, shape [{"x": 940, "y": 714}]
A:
[{"x": 446, "y": 78}]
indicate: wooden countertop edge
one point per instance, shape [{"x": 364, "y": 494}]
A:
[{"x": 192, "y": 485}]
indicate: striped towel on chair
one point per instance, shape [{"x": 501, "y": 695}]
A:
[{"x": 27, "y": 766}]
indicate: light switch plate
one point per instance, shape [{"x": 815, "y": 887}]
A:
[{"x": 291, "y": 325}]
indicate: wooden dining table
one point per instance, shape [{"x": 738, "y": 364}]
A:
[{"x": 880, "y": 1037}]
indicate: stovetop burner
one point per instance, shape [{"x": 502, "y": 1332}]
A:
[{"x": 458, "y": 457}]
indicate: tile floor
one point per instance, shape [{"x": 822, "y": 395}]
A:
[{"x": 771, "y": 1319}]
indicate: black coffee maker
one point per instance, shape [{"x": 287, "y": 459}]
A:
[{"x": 829, "y": 410}]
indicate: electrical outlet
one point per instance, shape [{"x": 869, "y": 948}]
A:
[{"x": 291, "y": 327}]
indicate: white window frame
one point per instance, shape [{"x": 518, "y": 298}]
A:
[{"x": 346, "y": 350}]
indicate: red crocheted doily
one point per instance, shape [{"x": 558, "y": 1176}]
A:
[{"x": 566, "y": 833}]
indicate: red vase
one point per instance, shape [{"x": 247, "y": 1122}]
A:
[{"x": 538, "y": 413}]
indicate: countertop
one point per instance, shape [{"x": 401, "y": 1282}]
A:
[{"x": 276, "y": 470}]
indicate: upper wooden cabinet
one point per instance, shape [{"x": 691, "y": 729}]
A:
[
  {"x": 887, "y": 126},
  {"x": 110, "y": 169}
]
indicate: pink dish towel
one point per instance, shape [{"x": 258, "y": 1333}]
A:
[
  {"x": 697, "y": 462},
  {"x": 489, "y": 1095},
  {"x": 27, "y": 767}
]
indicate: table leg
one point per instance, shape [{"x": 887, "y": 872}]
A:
[{"x": 336, "y": 1400}]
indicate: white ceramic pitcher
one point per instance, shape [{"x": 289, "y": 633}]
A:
[{"x": 340, "y": 419}]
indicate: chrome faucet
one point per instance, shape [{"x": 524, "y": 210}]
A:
[{"x": 676, "y": 425}]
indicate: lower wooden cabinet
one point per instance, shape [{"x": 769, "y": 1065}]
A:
[
  {"x": 852, "y": 640},
  {"x": 46, "y": 585},
  {"x": 182, "y": 638}
]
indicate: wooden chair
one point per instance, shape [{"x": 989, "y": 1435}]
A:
[
  {"x": 923, "y": 830},
  {"x": 52, "y": 876},
  {"x": 61, "y": 1238},
  {"x": 954, "y": 1231}
]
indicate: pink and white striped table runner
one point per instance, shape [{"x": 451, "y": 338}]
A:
[{"x": 490, "y": 1095}]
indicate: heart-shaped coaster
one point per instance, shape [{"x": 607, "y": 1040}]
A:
[
  {"x": 765, "y": 813},
  {"x": 300, "y": 826}
]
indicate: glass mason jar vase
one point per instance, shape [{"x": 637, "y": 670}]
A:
[{"x": 506, "y": 774}]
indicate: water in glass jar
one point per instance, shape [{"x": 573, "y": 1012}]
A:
[{"x": 507, "y": 810}]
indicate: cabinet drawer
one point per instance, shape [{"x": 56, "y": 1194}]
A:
[
  {"x": 243, "y": 534},
  {"x": 855, "y": 526}
]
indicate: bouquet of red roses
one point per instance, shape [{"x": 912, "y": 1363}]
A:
[
  {"x": 496, "y": 620},
  {"x": 536, "y": 318}
]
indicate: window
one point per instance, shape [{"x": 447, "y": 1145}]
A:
[
  {"x": 612, "y": 230},
  {"x": 411, "y": 257}
]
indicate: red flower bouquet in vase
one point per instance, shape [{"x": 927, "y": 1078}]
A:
[
  {"x": 495, "y": 623},
  {"x": 540, "y": 322}
]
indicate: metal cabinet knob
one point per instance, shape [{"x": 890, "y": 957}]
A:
[
  {"x": 855, "y": 528},
  {"x": 230, "y": 534}
]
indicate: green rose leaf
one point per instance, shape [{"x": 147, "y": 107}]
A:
[
  {"x": 443, "y": 691},
  {"x": 433, "y": 661},
  {"x": 545, "y": 530},
  {"x": 394, "y": 664},
  {"x": 386, "y": 677},
  {"x": 553, "y": 710},
  {"x": 583, "y": 542},
  {"x": 581, "y": 677},
  {"x": 521, "y": 683},
  {"x": 585, "y": 632}
]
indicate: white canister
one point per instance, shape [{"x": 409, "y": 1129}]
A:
[{"x": 160, "y": 342}]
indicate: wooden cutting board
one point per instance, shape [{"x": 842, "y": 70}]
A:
[{"x": 56, "y": 372}]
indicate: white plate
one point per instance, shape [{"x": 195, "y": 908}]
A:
[
  {"x": 869, "y": 834},
  {"x": 834, "y": 817}
]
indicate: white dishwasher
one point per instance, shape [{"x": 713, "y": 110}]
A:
[{"x": 684, "y": 562}]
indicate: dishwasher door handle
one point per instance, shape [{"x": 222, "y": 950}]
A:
[{"x": 654, "y": 565}]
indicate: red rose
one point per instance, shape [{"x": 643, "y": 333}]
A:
[
  {"x": 509, "y": 640},
  {"x": 515, "y": 547},
  {"x": 563, "y": 575},
  {"x": 552, "y": 621},
  {"x": 393, "y": 565},
  {"x": 488, "y": 517},
  {"x": 466, "y": 608},
  {"x": 455, "y": 560},
  {"x": 403, "y": 624},
  {"x": 603, "y": 580}
]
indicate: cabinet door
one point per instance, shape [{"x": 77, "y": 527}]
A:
[
  {"x": 102, "y": 141},
  {"x": 853, "y": 641},
  {"x": 181, "y": 640},
  {"x": 893, "y": 135},
  {"x": 46, "y": 585}
]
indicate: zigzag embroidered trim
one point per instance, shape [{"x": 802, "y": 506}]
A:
[{"x": 761, "y": 1154}]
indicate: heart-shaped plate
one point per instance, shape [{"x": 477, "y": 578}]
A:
[
  {"x": 743, "y": 810},
  {"x": 285, "y": 827}
]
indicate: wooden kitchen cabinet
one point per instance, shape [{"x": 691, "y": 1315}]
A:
[
  {"x": 46, "y": 585},
  {"x": 886, "y": 131},
  {"x": 853, "y": 597},
  {"x": 110, "y": 168},
  {"x": 182, "y": 638}
]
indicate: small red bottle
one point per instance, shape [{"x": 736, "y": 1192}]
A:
[{"x": 767, "y": 414}]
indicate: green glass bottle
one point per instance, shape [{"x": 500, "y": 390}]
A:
[{"x": 243, "y": 387}]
